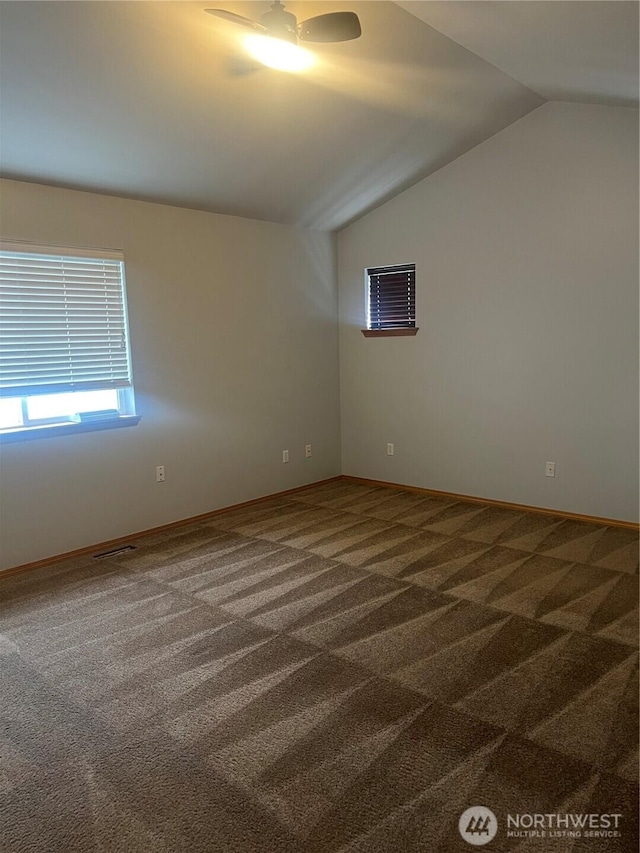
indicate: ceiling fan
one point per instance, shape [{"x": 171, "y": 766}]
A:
[{"x": 332, "y": 27}]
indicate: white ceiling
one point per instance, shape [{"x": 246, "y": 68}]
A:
[
  {"x": 562, "y": 49},
  {"x": 155, "y": 100}
]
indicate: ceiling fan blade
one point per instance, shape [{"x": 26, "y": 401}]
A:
[
  {"x": 237, "y": 19},
  {"x": 336, "y": 26}
]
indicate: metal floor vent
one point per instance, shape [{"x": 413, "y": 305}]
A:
[{"x": 114, "y": 553}]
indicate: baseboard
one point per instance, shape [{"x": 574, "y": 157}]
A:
[
  {"x": 574, "y": 516},
  {"x": 123, "y": 540}
]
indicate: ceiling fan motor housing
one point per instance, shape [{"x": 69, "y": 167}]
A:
[{"x": 281, "y": 24}]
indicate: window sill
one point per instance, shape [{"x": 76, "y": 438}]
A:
[
  {"x": 389, "y": 333},
  {"x": 49, "y": 430}
]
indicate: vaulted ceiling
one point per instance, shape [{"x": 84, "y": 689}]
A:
[{"x": 158, "y": 101}]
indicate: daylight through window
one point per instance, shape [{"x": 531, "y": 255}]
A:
[
  {"x": 64, "y": 347},
  {"x": 391, "y": 297}
]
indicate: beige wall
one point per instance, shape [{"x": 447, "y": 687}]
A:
[
  {"x": 235, "y": 356},
  {"x": 526, "y": 251},
  {"x": 527, "y": 294}
]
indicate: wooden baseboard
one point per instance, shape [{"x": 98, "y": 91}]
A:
[
  {"x": 574, "y": 516},
  {"x": 125, "y": 540}
]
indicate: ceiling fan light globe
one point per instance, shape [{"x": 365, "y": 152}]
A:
[{"x": 279, "y": 54}]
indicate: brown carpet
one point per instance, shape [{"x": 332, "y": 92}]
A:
[{"x": 344, "y": 669}]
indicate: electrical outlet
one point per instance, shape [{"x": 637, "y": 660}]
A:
[
  {"x": 550, "y": 469},
  {"x": 159, "y": 473},
  {"x": 390, "y": 449},
  {"x": 285, "y": 455},
  {"x": 307, "y": 450}
]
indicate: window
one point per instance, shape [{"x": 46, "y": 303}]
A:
[
  {"x": 391, "y": 300},
  {"x": 64, "y": 350}
]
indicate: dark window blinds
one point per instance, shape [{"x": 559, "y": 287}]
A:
[{"x": 392, "y": 297}]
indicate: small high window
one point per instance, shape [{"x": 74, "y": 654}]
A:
[
  {"x": 64, "y": 345},
  {"x": 391, "y": 300}
]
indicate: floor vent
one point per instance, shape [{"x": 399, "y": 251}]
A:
[{"x": 115, "y": 553}]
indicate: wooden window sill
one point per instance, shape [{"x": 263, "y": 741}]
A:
[{"x": 389, "y": 333}]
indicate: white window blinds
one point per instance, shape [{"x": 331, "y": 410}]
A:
[{"x": 63, "y": 324}]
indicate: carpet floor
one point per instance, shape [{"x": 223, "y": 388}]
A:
[{"x": 347, "y": 668}]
